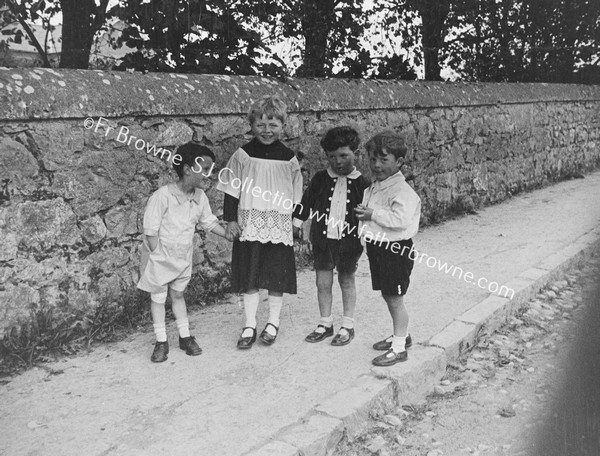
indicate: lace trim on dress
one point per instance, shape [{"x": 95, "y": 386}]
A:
[{"x": 265, "y": 226}]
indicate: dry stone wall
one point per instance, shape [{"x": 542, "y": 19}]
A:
[{"x": 72, "y": 194}]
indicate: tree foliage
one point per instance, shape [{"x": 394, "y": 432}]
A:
[
  {"x": 479, "y": 40},
  {"x": 193, "y": 36},
  {"x": 523, "y": 40}
]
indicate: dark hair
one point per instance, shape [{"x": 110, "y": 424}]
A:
[
  {"x": 188, "y": 153},
  {"x": 340, "y": 137},
  {"x": 392, "y": 142}
]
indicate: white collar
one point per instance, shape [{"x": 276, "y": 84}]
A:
[{"x": 353, "y": 174}]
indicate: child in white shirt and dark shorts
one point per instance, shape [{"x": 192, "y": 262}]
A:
[{"x": 389, "y": 218}]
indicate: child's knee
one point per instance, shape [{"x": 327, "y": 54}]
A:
[
  {"x": 159, "y": 298},
  {"x": 346, "y": 279},
  {"x": 175, "y": 294}
]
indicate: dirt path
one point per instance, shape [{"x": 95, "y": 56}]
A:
[{"x": 521, "y": 391}]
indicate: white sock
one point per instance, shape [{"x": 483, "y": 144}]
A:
[
  {"x": 250, "y": 308},
  {"x": 275, "y": 303},
  {"x": 183, "y": 326},
  {"x": 325, "y": 321},
  {"x": 398, "y": 344},
  {"x": 347, "y": 322},
  {"x": 160, "y": 330}
]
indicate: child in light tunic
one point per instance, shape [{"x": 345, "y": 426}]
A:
[{"x": 170, "y": 220}]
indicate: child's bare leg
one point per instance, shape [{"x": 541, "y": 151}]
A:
[
  {"x": 180, "y": 312},
  {"x": 251, "y": 298},
  {"x": 324, "y": 293},
  {"x": 399, "y": 315},
  {"x": 348, "y": 287},
  {"x": 325, "y": 297},
  {"x": 157, "y": 310},
  {"x": 275, "y": 304}
]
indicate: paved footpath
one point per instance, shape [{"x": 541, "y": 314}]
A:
[{"x": 297, "y": 398}]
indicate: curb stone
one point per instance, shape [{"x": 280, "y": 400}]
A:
[{"x": 347, "y": 413}]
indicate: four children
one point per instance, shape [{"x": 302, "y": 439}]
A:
[{"x": 262, "y": 183}]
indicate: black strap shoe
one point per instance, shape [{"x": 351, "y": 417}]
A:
[
  {"x": 190, "y": 346},
  {"x": 161, "y": 350},
  {"x": 386, "y": 344},
  {"x": 318, "y": 336},
  {"x": 246, "y": 342},
  {"x": 345, "y": 338},
  {"x": 266, "y": 337},
  {"x": 390, "y": 357}
]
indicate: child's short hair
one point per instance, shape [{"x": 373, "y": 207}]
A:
[
  {"x": 271, "y": 106},
  {"x": 392, "y": 142},
  {"x": 340, "y": 137},
  {"x": 188, "y": 153}
]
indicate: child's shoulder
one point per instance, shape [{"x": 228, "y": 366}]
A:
[{"x": 275, "y": 151}]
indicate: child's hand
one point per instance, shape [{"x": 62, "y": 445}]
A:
[
  {"x": 363, "y": 212},
  {"x": 297, "y": 232},
  {"x": 233, "y": 231}
]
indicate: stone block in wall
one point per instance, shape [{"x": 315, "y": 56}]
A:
[
  {"x": 107, "y": 260},
  {"x": 222, "y": 128},
  {"x": 9, "y": 245},
  {"x": 17, "y": 165},
  {"x": 43, "y": 224},
  {"x": 55, "y": 145},
  {"x": 121, "y": 221},
  {"x": 95, "y": 181},
  {"x": 173, "y": 134},
  {"x": 93, "y": 229},
  {"x": 294, "y": 127}
]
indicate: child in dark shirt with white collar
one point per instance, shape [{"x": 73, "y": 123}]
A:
[{"x": 329, "y": 201}]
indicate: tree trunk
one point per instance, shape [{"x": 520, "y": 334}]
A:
[
  {"x": 79, "y": 27},
  {"x": 433, "y": 14},
  {"x": 317, "y": 18}
]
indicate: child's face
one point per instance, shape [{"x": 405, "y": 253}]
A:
[
  {"x": 383, "y": 165},
  {"x": 341, "y": 160},
  {"x": 266, "y": 130},
  {"x": 201, "y": 173}
]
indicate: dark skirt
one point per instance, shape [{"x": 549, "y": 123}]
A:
[{"x": 269, "y": 266}]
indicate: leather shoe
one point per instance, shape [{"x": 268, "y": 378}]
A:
[
  {"x": 161, "y": 350},
  {"x": 390, "y": 357},
  {"x": 317, "y": 336},
  {"x": 341, "y": 339},
  {"x": 266, "y": 337},
  {"x": 246, "y": 342},
  {"x": 386, "y": 344},
  {"x": 190, "y": 346}
]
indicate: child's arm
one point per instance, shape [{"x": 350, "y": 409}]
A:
[
  {"x": 220, "y": 231},
  {"x": 363, "y": 213},
  {"x": 400, "y": 215},
  {"x": 230, "y": 208},
  {"x": 152, "y": 242}
]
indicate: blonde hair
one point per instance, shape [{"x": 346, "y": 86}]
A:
[{"x": 271, "y": 106}]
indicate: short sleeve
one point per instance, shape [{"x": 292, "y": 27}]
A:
[
  {"x": 155, "y": 209},
  {"x": 234, "y": 169}
]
